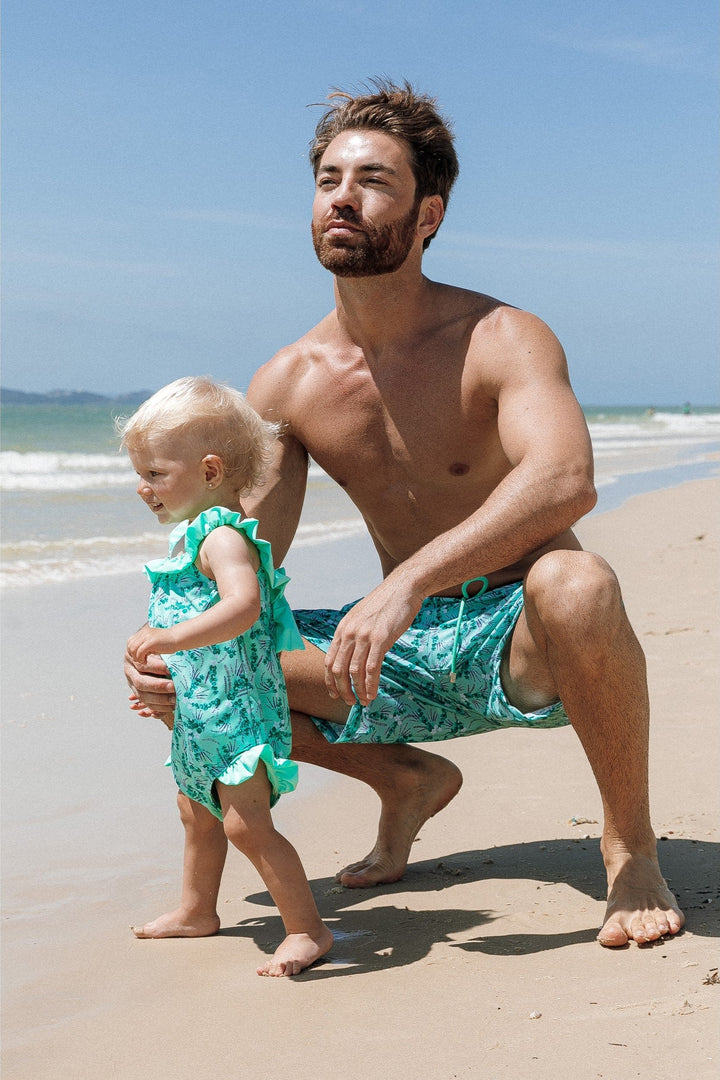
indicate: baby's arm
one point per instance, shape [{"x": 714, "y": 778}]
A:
[{"x": 226, "y": 557}]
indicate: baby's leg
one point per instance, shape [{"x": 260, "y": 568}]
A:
[
  {"x": 249, "y": 826},
  {"x": 203, "y": 862}
]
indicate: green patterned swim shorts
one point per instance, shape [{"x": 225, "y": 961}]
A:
[{"x": 418, "y": 701}]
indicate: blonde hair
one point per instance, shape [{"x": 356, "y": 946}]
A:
[{"x": 210, "y": 417}]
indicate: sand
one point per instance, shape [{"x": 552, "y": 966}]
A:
[{"x": 480, "y": 963}]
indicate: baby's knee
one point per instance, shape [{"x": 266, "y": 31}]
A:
[
  {"x": 250, "y": 832},
  {"x": 195, "y": 817},
  {"x": 239, "y": 832}
]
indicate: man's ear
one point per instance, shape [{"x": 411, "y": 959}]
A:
[{"x": 432, "y": 211}]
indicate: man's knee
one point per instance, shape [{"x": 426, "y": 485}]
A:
[{"x": 573, "y": 592}]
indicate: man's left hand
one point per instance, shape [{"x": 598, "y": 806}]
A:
[{"x": 363, "y": 636}]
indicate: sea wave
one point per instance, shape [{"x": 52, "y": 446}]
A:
[
  {"x": 62, "y": 472},
  {"x": 616, "y": 433},
  {"x": 79, "y": 529},
  {"x": 37, "y": 562}
]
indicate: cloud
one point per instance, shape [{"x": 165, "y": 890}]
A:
[
  {"x": 659, "y": 50},
  {"x": 237, "y": 219},
  {"x": 57, "y": 259},
  {"x": 698, "y": 251}
]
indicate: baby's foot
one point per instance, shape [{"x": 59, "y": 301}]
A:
[
  {"x": 298, "y": 951},
  {"x": 179, "y": 924}
]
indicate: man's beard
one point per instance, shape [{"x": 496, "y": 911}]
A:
[{"x": 377, "y": 250}]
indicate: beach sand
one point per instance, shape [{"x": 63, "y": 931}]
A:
[{"x": 480, "y": 963}]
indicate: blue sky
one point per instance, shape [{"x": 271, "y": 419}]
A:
[{"x": 157, "y": 192}]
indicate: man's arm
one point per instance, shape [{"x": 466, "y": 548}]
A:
[
  {"x": 277, "y": 503},
  {"x": 548, "y": 488}
]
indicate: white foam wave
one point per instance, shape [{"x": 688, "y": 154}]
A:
[
  {"x": 323, "y": 532},
  {"x": 22, "y": 572},
  {"x": 72, "y": 546},
  {"x": 659, "y": 427},
  {"x": 37, "y": 562},
  {"x": 59, "y": 472}
]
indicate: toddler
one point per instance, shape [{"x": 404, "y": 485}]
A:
[{"x": 219, "y": 618}]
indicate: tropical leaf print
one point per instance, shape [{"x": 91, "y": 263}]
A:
[{"x": 231, "y": 696}]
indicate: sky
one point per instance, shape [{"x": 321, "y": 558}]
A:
[{"x": 157, "y": 192}]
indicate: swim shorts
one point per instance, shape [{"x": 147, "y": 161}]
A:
[{"x": 417, "y": 700}]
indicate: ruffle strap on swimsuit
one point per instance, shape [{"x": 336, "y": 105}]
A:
[{"x": 287, "y": 636}]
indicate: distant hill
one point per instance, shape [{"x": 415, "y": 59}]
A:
[{"x": 71, "y": 397}]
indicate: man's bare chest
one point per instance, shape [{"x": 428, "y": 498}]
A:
[{"x": 423, "y": 435}]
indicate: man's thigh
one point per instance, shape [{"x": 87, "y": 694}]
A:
[
  {"x": 526, "y": 676},
  {"x": 304, "y": 671}
]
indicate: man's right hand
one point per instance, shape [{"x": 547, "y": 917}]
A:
[{"x": 153, "y": 693}]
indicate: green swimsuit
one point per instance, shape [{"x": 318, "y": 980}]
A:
[{"x": 232, "y": 709}]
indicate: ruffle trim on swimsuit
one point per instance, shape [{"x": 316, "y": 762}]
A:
[
  {"x": 287, "y": 635},
  {"x": 282, "y": 774}
]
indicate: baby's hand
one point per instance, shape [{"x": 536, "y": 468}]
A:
[{"x": 149, "y": 640}]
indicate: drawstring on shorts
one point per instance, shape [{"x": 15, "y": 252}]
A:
[{"x": 461, "y": 611}]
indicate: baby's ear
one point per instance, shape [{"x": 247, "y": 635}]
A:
[{"x": 214, "y": 470}]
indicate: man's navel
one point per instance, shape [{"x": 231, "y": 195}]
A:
[{"x": 458, "y": 468}]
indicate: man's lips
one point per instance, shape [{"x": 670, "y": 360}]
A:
[{"x": 338, "y": 225}]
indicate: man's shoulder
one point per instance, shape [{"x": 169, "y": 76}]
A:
[
  {"x": 300, "y": 352},
  {"x": 508, "y": 326},
  {"x": 488, "y": 313},
  {"x": 487, "y": 322},
  {"x": 286, "y": 373},
  {"x": 510, "y": 346}
]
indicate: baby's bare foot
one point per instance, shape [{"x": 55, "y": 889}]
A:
[
  {"x": 179, "y": 924},
  {"x": 297, "y": 951}
]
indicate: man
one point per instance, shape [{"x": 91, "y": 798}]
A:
[{"x": 449, "y": 419}]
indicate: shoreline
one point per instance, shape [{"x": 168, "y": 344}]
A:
[
  {"x": 493, "y": 922},
  {"x": 328, "y": 516},
  {"x": 614, "y": 491}
]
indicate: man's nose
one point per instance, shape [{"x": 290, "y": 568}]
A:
[{"x": 347, "y": 193}]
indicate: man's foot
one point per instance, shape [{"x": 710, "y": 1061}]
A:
[
  {"x": 416, "y": 794},
  {"x": 297, "y": 952},
  {"x": 640, "y": 906},
  {"x": 179, "y": 924}
]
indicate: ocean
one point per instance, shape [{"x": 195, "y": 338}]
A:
[{"x": 69, "y": 508}]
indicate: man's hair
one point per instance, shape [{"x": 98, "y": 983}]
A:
[
  {"x": 407, "y": 115},
  {"x": 211, "y": 418}
]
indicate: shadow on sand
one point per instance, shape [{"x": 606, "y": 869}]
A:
[{"x": 390, "y": 936}]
